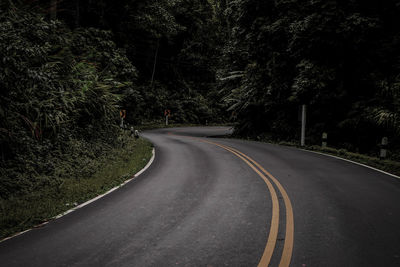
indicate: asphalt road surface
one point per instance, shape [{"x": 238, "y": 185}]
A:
[{"x": 225, "y": 202}]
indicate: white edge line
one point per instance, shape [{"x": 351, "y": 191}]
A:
[
  {"x": 89, "y": 201},
  {"x": 332, "y": 156},
  {"x": 354, "y": 162}
]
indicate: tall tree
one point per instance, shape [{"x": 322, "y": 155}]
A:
[{"x": 281, "y": 54}]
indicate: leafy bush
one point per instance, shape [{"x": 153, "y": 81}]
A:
[
  {"x": 59, "y": 99},
  {"x": 340, "y": 58}
]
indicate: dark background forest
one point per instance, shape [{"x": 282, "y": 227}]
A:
[{"x": 68, "y": 67}]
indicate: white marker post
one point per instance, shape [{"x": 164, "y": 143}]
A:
[
  {"x": 324, "y": 139},
  {"x": 384, "y": 145},
  {"x": 167, "y": 113},
  {"x": 303, "y": 125}
]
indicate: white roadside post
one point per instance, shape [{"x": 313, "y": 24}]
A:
[
  {"x": 122, "y": 114},
  {"x": 167, "y": 113},
  {"x": 384, "y": 145},
  {"x": 303, "y": 125},
  {"x": 324, "y": 139}
]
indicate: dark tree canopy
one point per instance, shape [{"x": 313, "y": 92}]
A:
[
  {"x": 68, "y": 67},
  {"x": 341, "y": 58}
]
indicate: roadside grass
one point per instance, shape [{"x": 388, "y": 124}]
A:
[
  {"x": 26, "y": 211},
  {"x": 158, "y": 125},
  {"x": 386, "y": 165},
  {"x": 151, "y": 126}
]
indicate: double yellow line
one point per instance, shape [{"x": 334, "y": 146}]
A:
[{"x": 273, "y": 232}]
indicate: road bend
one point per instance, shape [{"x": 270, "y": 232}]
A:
[{"x": 226, "y": 202}]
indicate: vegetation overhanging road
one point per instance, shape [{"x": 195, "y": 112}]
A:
[{"x": 200, "y": 204}]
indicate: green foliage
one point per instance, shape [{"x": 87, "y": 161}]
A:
[
  {"x": 390, "y": 166},
  {"x": 64, "y": 81},
  {"x": 63, "y": 88},
  {"x": 339, "y": 58},
  {"x": 61, "y": 91},
  {"x": 175, "y": 46},
  {"x": 105, "y": 169}
]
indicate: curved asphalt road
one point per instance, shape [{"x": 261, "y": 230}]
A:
[{"x": 200, "y": 205}]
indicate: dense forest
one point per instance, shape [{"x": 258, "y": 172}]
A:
[
  {"x": 69, "y": 67},
  {"x": 340, "y": 58}
]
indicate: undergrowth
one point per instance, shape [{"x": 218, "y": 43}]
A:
[{"x": 92, "y": 176}]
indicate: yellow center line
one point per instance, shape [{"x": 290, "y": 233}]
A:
[
  {"x": 273, "y": 232},
  {"x": 289, "y": 240}
]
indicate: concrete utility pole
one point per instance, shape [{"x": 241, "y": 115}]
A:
[{"x": 303, "y": 125}]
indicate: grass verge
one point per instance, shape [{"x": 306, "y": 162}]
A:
[
  {"x": 23, "y": 212},
  {"x": 386, "y": 165},
  {"x": 158, "y": 125}
]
